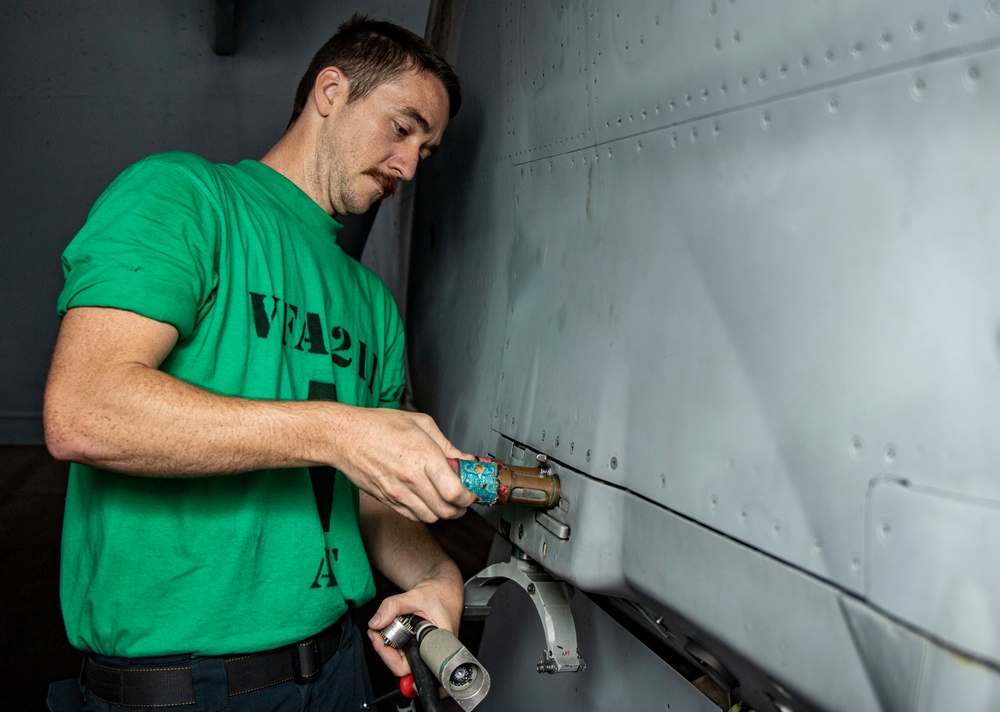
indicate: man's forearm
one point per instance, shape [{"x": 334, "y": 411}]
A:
[
  {"x": 108, "y": 405},
  {"x": 407, "y": 554},
  {"x": 143, "y": 421},
  {"x": 403, "y": 550}
]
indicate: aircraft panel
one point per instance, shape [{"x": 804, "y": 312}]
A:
[
  {"x": 701, "y": 315},
  {"x": 748, "y": 330}
]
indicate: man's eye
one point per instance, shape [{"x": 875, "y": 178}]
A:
[{"x": 402, "y": 130}]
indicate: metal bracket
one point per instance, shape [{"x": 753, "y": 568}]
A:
[{"x": 551, "y": 598}]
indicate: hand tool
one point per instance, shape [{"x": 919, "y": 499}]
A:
[{"x": 495, "y": 482}]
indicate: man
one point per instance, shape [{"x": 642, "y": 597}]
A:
[{"x": 216, "y": 344}]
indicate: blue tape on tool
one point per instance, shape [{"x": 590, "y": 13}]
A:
[{"x": 480, "y": 478}]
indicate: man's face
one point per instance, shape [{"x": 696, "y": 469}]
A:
[{"x": 367, "y": 146}]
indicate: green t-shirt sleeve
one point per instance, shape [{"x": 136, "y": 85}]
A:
[{"x": 148, "y": 245}]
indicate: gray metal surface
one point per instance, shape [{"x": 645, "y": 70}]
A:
[
  {"x": 734, "y": 264},
  {"x": 634, "y": 678}
]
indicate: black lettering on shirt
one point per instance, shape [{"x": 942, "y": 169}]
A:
[{"x": 327, "y": 564}]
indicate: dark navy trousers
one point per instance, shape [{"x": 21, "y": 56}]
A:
[{"x": 341, "y": 686}]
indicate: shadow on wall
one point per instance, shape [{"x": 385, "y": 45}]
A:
[{"x": 32, "y": 493}]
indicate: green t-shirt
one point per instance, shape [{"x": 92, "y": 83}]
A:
[{"x": 246, "y": 267}]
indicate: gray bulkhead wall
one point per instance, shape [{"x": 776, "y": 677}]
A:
[
  {"x": 89, "y": 88},
  {"x": 732, "y": 266}
]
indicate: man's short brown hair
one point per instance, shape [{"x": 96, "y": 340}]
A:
[{"x": 371, "y": 53}]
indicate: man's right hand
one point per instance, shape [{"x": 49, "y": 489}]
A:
[{"x": 400, "y": 458}]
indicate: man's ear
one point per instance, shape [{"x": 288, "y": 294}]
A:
[{"x": 330, "y": 90}]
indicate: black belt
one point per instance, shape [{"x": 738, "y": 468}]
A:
[{"x": 172, "y": 684}]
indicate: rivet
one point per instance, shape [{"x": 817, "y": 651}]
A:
[
  {"x": 817, "y": 546},
  {"x": 718, "y": 44},
  {"x": 762, "y": 77},
  {"x": 694, "y": 135},
  {"x": 687, "y": 99},
  {"x": 713, "y": 501},
  {"x": 917, "y": 29},
  {"x": 588, "y": 455},
  {"x": 543, "y": 436},
  {"x": 782, "y": 70},
  {"x": 704, "y": 94},
  {"x": 856, "y": 445},
  {"x": 765, "y": 120},
  {"x": 804, "y": 63},
  {"x": 917, "y": 89},
  {"x": 557, "y": 441},
  {"x": 743, "y": 515},
  {"x": 663, "y": 481},
  {"x": 884, "y": 529},
  {"x": 857, "y": 48},
  {"x": 831, "y": 56},
  {"x": 723, "y": 89},
  {"x": 673, "y": 139},
  {"x": 572, "y": 447},
  {"x": 520, "y": 531},
  {"x": 736, "y": 37},
  {"x": 889, "y": 453},
  {"x": 885, "y": 41},
  {"x": 713, "y": 9},
  {"x": 671, "y": 105},
  {"x": 716, "y": 129},
  {"x": 614, "y": 463},
  {"x": 971, "y": 79},
  {"x": 832, "y": 106},
  {"x": 855, "y": 562},
  {"x": 638, "y": 146},
  {"x": 953, "y": 20},
  {"x": 512, "y": 423}
]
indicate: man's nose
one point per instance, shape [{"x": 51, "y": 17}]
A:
[{"x": 406, "y": 161}]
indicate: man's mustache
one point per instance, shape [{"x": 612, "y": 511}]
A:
[{"x": 385, "y": 180}]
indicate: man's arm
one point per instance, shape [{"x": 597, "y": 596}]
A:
[
  {"x": 107, "y": 405},
  {"x": 406, "y": 553}
]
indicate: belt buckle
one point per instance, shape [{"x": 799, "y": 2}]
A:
[{"x": 305, "y": 661}]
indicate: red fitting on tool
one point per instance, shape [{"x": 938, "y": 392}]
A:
[{"x": 406, "y": 686}]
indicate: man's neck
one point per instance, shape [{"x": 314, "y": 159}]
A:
[{"x": 287, "y": 157}]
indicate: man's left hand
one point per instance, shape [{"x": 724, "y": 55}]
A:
[{"x": 438, "y": 599}]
